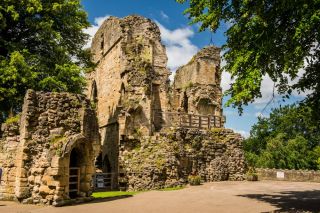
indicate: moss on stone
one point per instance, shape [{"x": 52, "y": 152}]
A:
[
  {"x": 14, "y": 119},
  {"x": 187, "y": 85},
  {"x": 57, "y": 142}
]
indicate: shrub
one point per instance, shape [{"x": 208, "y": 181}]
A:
[
  {"x": 194, "y": 180},
  {"x": 251, "y": 174}
]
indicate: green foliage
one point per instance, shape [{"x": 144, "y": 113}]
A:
[
  {"x": 251, "y": 174},
  {"x": 172, "y": 188},
  {"x": 137, "y": 132},
  {"x": 265, "y": 38},
  {"x": 187, "y": 85},
  {"x": 288, "y": 139},
  {"x": 41, "y": 48},
  {"x": 14, "y": 119},
  {"x": 57, "y": 142},
  {"x": 194, "y": 180}
]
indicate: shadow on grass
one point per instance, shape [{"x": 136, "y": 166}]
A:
[{"x": 291, "y": 201}]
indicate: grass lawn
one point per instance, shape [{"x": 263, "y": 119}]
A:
[
  {"x": 122, "y": 193},
  {"x": 172, "y": 188},
  {"x": 112, "y": 194}
]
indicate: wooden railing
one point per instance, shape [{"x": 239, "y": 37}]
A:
[
  {"x": 170, "y": 119},
  {"x": 102, "y": 181}
]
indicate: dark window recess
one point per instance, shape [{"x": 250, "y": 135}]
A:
[{"x": 102, "y": 42}]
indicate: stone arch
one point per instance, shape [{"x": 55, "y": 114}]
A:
[{"x": 79, "y": 158}]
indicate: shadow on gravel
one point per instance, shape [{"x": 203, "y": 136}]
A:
[
  {"x": 100, "y": 200},
  {"x": 91, "y": 200},
  {"x": 291, "y": 201}
]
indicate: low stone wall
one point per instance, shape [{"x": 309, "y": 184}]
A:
[
  {"x": 289, "y": 175},
  {"x": 166, "y": 160}
]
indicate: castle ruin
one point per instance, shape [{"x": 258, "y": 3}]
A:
[{"x": 134, "y": 125}]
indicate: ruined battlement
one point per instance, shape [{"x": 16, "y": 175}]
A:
[
  {"x": 203, "y": 69},
  {"x": 196, "y": 86}
]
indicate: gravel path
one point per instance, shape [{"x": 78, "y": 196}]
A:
[{"x": 261, "y": 196}]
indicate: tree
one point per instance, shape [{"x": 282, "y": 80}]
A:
[
  {"x": 266, "y": 37},
  {"x": 289, "y": 139},
  {"x": 41, "y": 48}
]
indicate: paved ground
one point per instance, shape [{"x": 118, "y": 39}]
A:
[{"x": 261, "y": 196}]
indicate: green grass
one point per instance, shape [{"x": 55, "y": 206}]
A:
[
  {"x": 112, "y": 194},
  {"x": 172, "y": 188},
  {"x": 121, "y": 193}
]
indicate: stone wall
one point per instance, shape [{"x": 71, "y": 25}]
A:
[
  {"x": 37, "y": 157},
  {"x": 166, "y": 160},
  {"x": 8, "y": 146},
  {"x": 288, "y": 175}
]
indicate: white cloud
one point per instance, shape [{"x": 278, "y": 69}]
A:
[
  {"x": 98, "y": 21},
  {"x": 225, "y": 77},
  {"x": 179, "y": 47},
  {"x": 164, "y": 16},
  {"x": 245, "y": 134},
  {"x": 225, "y": 81},
  {"x": 266, "y": 91}
]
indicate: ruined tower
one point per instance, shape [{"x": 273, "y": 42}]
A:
[
  {"x": 129, "y": 82},
  {"x": 196, "y": 87}
]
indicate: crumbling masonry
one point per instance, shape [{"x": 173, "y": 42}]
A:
[
  {"x": 154, "y": 134},
  {"x": 133, "y": 124}
]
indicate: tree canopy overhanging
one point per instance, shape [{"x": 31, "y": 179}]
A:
[
  {"x": 266, "y": 37},
  {"x": 41, "y": 48}
]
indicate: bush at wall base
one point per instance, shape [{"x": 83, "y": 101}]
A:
[
  {"x": 194, "y": 180},
  {"x": 251, "y": 175}
]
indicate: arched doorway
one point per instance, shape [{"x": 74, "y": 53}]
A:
[
  {"x": 74, "y": 173},
  {"x": 106, "y": 165},
  {"x": 99, "y": 163}
]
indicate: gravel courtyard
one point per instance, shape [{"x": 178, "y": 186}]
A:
[{"x": 261, "y": 196}]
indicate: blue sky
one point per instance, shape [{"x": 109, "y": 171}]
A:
[{"x": 182, "y": 42}]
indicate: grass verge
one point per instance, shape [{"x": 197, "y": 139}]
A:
[
  {"x": 172, "y": 188},
  {"x": 112, "y": 194}
]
